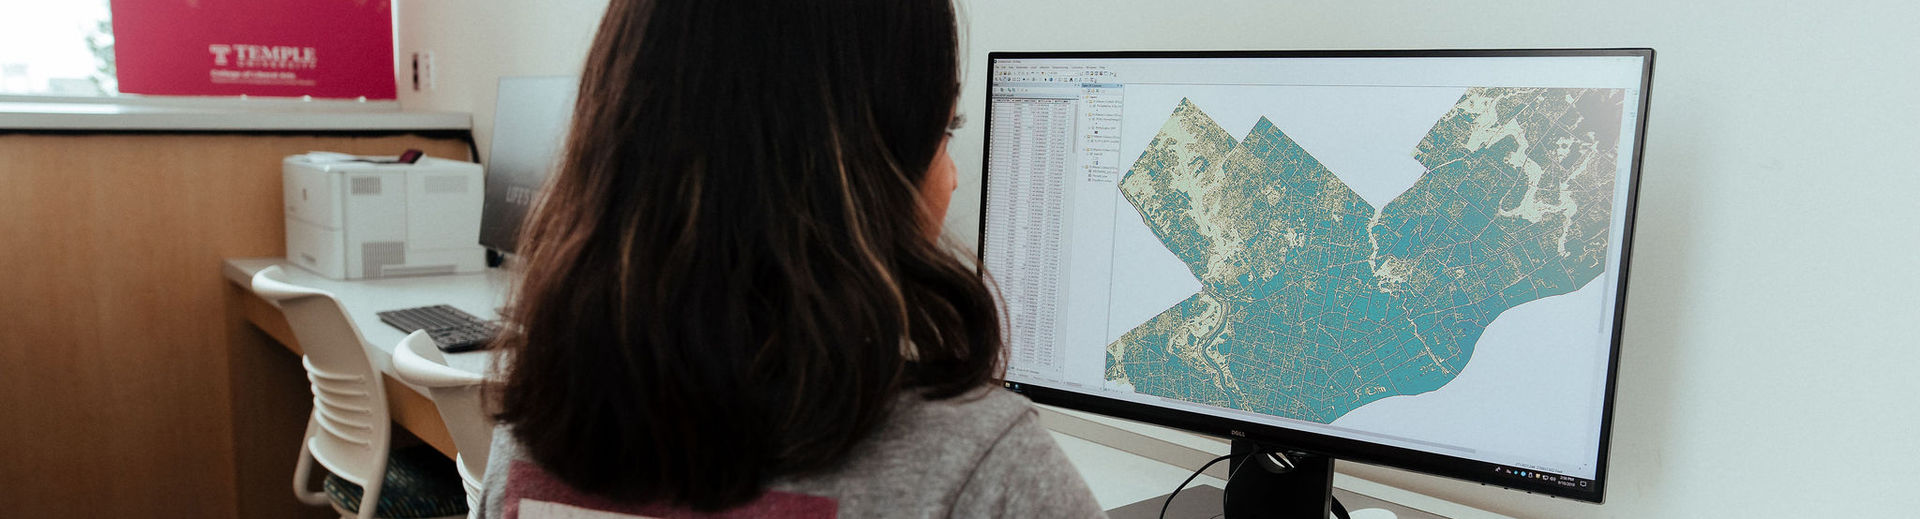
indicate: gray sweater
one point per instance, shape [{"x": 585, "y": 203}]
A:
[{"x": 979, "y": 455}]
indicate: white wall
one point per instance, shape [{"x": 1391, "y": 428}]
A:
[
  {"x": 475, "y": 42},
  {"x": 1773, "y": 328}
]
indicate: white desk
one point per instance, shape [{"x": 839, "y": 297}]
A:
[
  {"x": 478, "y": 294},
  {"x": 1113, "y": 471}
]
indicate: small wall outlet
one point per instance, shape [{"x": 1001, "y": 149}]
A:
[{"x": 423, "y": 71}]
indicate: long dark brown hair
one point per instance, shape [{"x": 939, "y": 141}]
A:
[{"x": 729, "y": 279}]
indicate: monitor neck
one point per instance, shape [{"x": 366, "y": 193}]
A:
[
  {"x": 498, "y": 258},
  {"x": 1266, "y": 481}
]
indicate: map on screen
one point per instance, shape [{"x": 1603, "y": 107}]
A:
[{"x": 1313, "y": 302}]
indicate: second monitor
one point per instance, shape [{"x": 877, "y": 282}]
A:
[{"x": 530, "y": 121}]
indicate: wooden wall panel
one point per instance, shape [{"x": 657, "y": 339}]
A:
[{"x": 127, "y": 386}]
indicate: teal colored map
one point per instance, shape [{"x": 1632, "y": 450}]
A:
[{"x": 1313, "y": 302}]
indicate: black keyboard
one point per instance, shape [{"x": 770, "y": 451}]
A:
[{"x": 452, "y": 330}]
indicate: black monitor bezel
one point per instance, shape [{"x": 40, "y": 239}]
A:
[{"x": 1336, "y": 447}]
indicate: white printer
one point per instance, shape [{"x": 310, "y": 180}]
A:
[{"x": 354, "y": 217}]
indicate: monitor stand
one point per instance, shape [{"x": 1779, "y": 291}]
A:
[
  {"x": 1271, "y": 496},
  {"x": 1272, "y": 482}
]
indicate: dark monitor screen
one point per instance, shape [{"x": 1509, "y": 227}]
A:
[
  {"x": 1407, "y": 258},
  {"x": 530, "y": 120}
]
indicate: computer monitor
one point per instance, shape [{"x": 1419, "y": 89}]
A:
[
  {"x": 1413, "y": 259},
  {"x": 530, "y": 121}
]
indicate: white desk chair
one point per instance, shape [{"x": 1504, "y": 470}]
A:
[
  {"x": 456, "y": 393},
  {"x": 349, "y": 430}
]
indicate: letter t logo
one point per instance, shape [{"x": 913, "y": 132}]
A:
[{"x": 219, "y": 53}]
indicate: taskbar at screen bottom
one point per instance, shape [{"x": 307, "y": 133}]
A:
[{"x": 1219, "y": 422}]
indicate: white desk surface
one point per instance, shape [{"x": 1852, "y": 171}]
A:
[
  {"x": 1117, "y": 477},
  {"x": 478, "y": 294}
]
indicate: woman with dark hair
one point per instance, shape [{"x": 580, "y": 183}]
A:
[{"x": 734, "y": 298}]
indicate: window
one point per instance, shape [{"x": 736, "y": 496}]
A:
[{"x": 61, "y": 48}]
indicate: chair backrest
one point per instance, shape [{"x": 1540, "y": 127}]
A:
[
  {"x": 455, "y": 393},
  {"x": 349, "y": 433}
]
